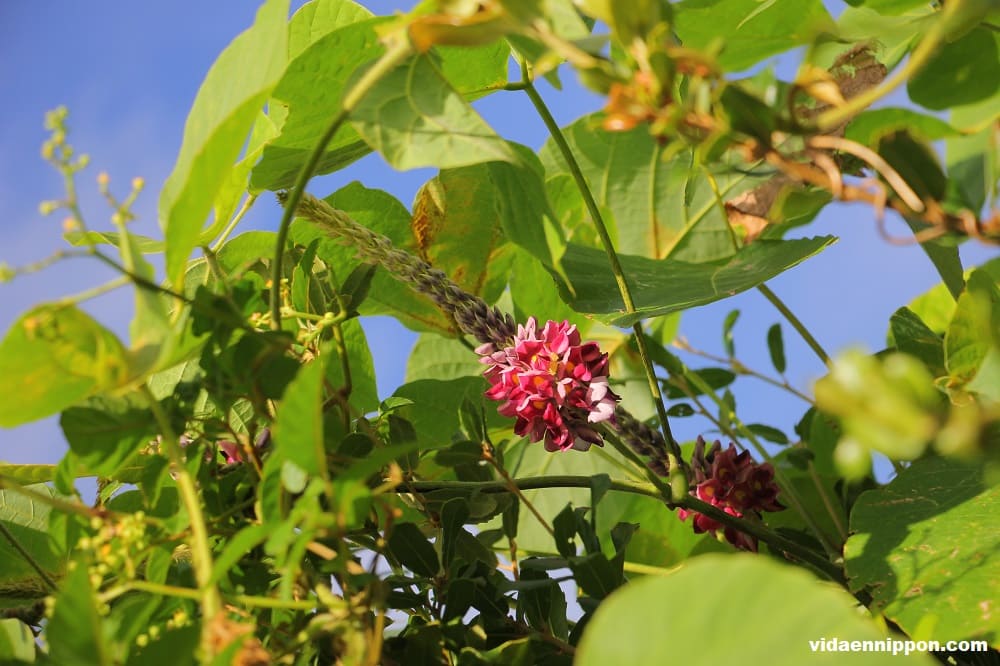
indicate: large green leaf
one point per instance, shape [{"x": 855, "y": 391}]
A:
[
  {"x": 321, "y": 17},
  {"x": 964, "y": 71},
  {"x": 364, "y": 394},
  {"x": 56, "y": 355},
  {"x": 457, "y": 227},
  {"x": 662, "y": 287},
  {"x": 972, "y": 341},
  {"x": 869, "y": 127},
  {"x": 329, "y": 44},
  {"x": 106, "y": 431},
  {"x": 223, "y": 112},
  {"x": 28, "y": 522},
  {"x": 927, "y": 547},
  {"x": 415, "y": 118},
  {"x": 749, "y": 30},
  {"x": 308, "y": 106},
  {"x": 653, "y": 208},
  {"x": 436, "y": 405},
  {"x": 730, "y": 609}
]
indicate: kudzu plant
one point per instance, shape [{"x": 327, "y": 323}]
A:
[{"x": 523, "y": 497}]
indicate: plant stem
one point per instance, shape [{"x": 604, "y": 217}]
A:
[
  {"x": 217, "y": 245},
  {"x": 788, "y": 491},
  {"x": 795, "y": 322},
  {"x": 201, "y": 550},
  {"x": 616, "y": 268},
  {"x": 757, "y": 530},
  {"x": 390, "y": 59}
]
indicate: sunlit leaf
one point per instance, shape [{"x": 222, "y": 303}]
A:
[
  {"x": 222, "y": 114},
  {"x": 927, "y": 547},
  {"x": 662, "y": 287}
]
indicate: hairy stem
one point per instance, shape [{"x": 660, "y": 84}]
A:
[
  {"x": 616, "y": 268},
  {"x": 796, "y": 323},
  {"x": 390, "y": 59},
  {"x": 201, "y": 550}
]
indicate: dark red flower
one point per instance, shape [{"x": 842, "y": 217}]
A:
[{"x": 734, "y": 482}]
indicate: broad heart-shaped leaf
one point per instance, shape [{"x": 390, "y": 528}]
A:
[
  {"x": 28, "y": 522},
  {"x": 662, "y": 287},
  {"x": 106, "y": 431},
  {"x": 55, "y": 356},
  {"x": 223, "y": 112},
  {"x": 655, "y": 208},
  {"x": 415, "y": 118},
  {"x": 972, "y": 341},
  {"x": 457, "y": 227},
  {"x": 321, "y": 17},
  {"x": 310, "y": 90},
  {"x": 927, "y": 547},
  {"x": 317, "y": 76},
  {"x": 961, "y": 72},
  {"x": 730, "y": 609},
  {"x": 747, "y": 30}
]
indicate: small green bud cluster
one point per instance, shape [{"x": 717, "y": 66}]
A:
[{"x": 116, "y": 546}]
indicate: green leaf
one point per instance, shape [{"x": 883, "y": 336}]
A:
[
  {"x": 973, "y": 159},
  {"x": 415, "y": 118},
  {"x": 238, "y": 547},
  {"x": 972, "y": 342},
  {"x": 890, "y": 7},
  {"x": 435, "y": 409},
  {"x": 769, "y": 433},
  {"x": 760, "y": 602},
  {"x": 457, "y": 227},
  {"x": 57, "y": 355},
  {"x": 912, "y": 336},
  {"x": 653, "y": 207},
  {"x": 307, "y": 107},
  {"x": 747, "y": 34},
  {"x": 776, "y": 348},
  {"x": 596, "y": 575},
  {"x": 409, "y": 545},
  {"x": 75, "y": 633},
  {"x": 298, "y": 428},
  {"x": 17, "y": 643},
  {"x": 364, "y": 392},
  {"x": 319, "y": 18},
  {"x": 662, "y": 287},
  {"x": 727, "y": 332},
  {"x": 936, "y": 306},
  {"x": 434, "y": 357},
  {"x": 223, "y": 112},
  {"x": 961, "y": 72},
  {"x": 869, "y": 127},
  {"x": 106, "y": 432},
  {"x": 28, "y": 522},
  {"x": 927, "y": 547},
  {"x": 454, "y": 515}
]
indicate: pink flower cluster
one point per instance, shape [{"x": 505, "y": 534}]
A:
[
  {"x": 555, "y": 387},
  {"x": 735, "y": 483}
]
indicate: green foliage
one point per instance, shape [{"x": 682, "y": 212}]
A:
[
  {"x": 746, "y": 599},
  {"x": 261, "y": 500},
  {"x": 923, "y": 544}
]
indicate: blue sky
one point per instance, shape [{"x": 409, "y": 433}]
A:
[{"x": 128, "y": 73}]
